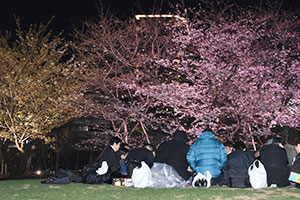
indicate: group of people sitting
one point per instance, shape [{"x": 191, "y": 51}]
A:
[
  {"x": 122, "y": 161},
  {"x": 176, "y": 164}
]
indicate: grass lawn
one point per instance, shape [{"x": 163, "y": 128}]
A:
[{"x": 32, "y": 189}]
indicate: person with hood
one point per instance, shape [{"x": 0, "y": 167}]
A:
[
  {"x": 274, "y": 158},
  {"x": 207, "y": 154},
  {"x": 173, "y": 153}
]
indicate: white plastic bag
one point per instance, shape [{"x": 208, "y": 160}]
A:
[
  {"x": 103, "y": 169},
  {"x": 257, "y": 175},
  {"x": 201, "y": 180},
  {"x": 141, "y": 177},
  {"x": 165, "y": 176}
]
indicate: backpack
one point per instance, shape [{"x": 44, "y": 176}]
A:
[
  {"x": 90, "y": 176},
  {"x": 88, "y": 169}
]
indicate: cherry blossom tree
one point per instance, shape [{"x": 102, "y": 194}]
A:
[
  {"x": 111, "y": 51},
  {"x": 235, "y": 70},
  {"x": 232, "y": 69}
]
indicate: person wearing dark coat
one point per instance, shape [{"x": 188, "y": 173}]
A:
[
  {"x": 296, "y": 165},
  {"x": 110, "y": 155},
  {"x": 173, "y": 153},
  {"x": 275, "y": 161},
  {"x": 240, "y": 158},
  {"x": 236, "y": 167},
  {"x": 136, "y": 156},
  {"x": 107, "y": 167}
]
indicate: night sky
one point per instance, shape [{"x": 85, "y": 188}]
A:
[
  {"x": 68, "y": 12},
  {"x": 65, "y": 12}
]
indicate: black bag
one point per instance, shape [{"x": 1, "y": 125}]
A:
[
  {"x": 94, "y": 178},
  {"x": 88, "y": 169},
  {"x": 90, "y": 176}
]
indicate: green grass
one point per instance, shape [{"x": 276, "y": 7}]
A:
[{"x": 32, "y": 189}]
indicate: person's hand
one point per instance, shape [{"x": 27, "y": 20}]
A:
[
  {"x": 256, "y": 154},
  {"x": 189, "y": 169}
]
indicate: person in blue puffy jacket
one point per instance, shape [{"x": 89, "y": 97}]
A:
[{"x": 207, "y": 154}]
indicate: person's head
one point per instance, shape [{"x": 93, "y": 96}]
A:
[
  {"x": 271, "y": 139},
  {"x": 180, "y": 136},
  {"x": 150, "y": 147},
  {"x": 239, "y": 145},
  {"x": 115, "y": 142},
  {"x": 125, "y": 146},
  {"x": 228, "y": 146},
  {"x": 297, "y": 142},
  {"x": 292, "y": 136},
  {"x": 208, "y": 129},
  {"x": 284, "y": 133}
]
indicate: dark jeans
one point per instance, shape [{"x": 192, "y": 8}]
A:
[
  {"x": 237, "y": 178},
  {"x": 218, "y": 180}
]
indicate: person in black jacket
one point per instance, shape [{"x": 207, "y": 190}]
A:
[
  {"x": 110, "y": 155},
  {"x": 296, "y": 164},
  {"x": 275, "y": 161},
  {"x": 173, "y": 153},
  {"x": 137, "y": 155},
  {"x": 107, "y": 167},
  {"x": 236, "y": 168}
]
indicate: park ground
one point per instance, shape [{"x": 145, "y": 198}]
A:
[{"x": 32, "y": 189}]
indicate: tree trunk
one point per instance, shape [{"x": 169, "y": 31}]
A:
[
  {"x": 57, "y": 161},
  {"x": 16, "y": 161},
  {"x": 52, "y": 162},
  {"x": 77, "y": 160}
]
